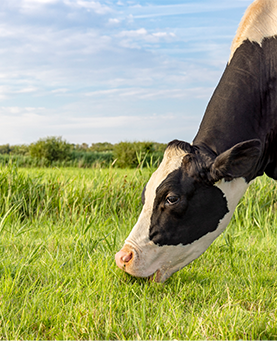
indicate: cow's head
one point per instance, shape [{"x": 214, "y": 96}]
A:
[{"x": 187, "y": 203}]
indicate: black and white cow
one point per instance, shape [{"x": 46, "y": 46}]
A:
[{"x": 191, "y": 197}]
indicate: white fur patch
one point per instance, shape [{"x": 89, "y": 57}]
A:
[
  {"x": 233, "y": 191},
  {"x": 258, "y": 22},
  {"x": 172, "y": 160}
]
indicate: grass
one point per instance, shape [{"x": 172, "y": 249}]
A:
[
  {"x": 75, "y": 159},
  {"x": 60, "y": 229}
]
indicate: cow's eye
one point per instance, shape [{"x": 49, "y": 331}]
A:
[{"x": 170, "y": 200}]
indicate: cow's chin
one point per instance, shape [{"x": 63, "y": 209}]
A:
[
  {"x": 160, "y": 276},
  {"x": 157, "y": 263}
]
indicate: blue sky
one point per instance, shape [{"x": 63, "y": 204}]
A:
[{"x": 115, "y": 70}]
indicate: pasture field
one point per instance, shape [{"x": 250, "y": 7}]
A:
[{"x": 60, "y": 229}]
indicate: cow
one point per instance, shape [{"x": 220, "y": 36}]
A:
[{"x": 191, "y": 197}]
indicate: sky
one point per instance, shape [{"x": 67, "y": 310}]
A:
[{"x": 111, "y": 70}]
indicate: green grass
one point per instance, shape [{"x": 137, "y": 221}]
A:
[
  {"x": 60, "y": 229},
  {"x": 75, "y": 159}
]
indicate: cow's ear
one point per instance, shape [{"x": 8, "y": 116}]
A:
[{"x": 238, "y": 161}]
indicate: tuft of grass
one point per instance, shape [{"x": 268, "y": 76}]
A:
[{"x": 60, "y": 229}]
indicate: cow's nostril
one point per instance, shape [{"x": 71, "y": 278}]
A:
[
  {"x": 127, "y": 257},
  {"x": 123, "y": 257}
]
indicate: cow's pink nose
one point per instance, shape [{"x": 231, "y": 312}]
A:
[{"x": 123, "y": 257}]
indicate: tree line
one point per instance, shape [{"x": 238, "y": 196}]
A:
[{"x": 55, "y": 151}]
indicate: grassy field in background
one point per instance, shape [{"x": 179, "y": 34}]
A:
[{"x": 60, "y": 229}]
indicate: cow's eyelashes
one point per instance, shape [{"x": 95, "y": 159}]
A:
[{"x": 171, "y": 199}]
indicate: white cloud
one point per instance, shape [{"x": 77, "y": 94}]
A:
[
  {"x": 40, "y": 1},
  {"x": 19, "y": 110},
  {"x": 27, "y": 90},
  {"x": 133, "y": 33},
  {"x": 136, "y": 6},
  {"x": 154, "y": 11},
  {"x": 152, "y": 93},
  {"x": 143, "y": 34},
  {"x": 102, "y": 92},
  {"x": 130, "y": 19},
  {"x": 33, "y": 5},
  {"x": 103, "y": 122},
  {"x": 5, "y": 31},
  {"x": 4, "y": 90},
  {"x": 95, "y": 6},
  {"x": 60, "y": 91},
  {"x": 164, "y": 34},
  {"x": 114, "y": 21}
]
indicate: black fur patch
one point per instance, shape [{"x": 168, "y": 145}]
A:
[{"x": 198, "y": 212}]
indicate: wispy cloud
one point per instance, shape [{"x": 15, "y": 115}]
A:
[
  {"x": 151, "y": 11},
  {"x": 34, "y": 5},
  {"x": 146, "y": 93},
  {"x": 95, "y": 6},
  {"x": 143, "y": 34}
]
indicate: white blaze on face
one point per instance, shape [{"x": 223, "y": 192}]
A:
[{"x": 172, "y": 161}]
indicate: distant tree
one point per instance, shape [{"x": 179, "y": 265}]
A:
[
  {"x": 84, "y": 146},
  {"x": 22, "y": 150},
  {"x": 5, "y": 149},
  {"x": 78, "y": 147},
  {"x": 50, "y": 148},
  {"x": 101, "y": 147}
]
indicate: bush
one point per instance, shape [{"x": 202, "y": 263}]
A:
[
  {"x": 5, "y": 149},
  {"x": 128, "y": 154},
  {"x": 51, "y": 148}
]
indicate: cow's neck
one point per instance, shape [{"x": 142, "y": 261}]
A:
[{"x": 243, "y": 106}]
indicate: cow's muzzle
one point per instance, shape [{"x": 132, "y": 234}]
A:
[
  {"x": 129, "y": 260},
  {"x": 124, "y": 258}
]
